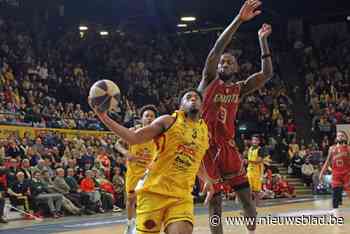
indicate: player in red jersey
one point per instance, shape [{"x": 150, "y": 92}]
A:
[
  {"x": 339, "y": 158},
  {"x": 223, "y": 91}
]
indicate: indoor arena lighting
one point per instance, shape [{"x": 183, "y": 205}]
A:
[
  {"x": 188, "y": 18},
  {"x": 182, "y": 25},
  {"x": 83, "y": 28},
  {"x": 348, "y": 18},
  {"x": 104, "y": 33}
]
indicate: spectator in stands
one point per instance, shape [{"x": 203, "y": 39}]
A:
[
  {"x": 104, "y": 162},
  {"x": 88, "y": 188},
  {"x": 53, "y": 189},
  {"x": 291, "y": 129},
  {"x": 87, "y": 159},
  {"x": 26, "y": 169},
  {"x": 12, "y": 171},
  {"x": 119, "y": 187},
  {"x": 2, "y": 149},
  {"x": 61, "y": 186},
  {"x": 33, "y": 157},
  {"x": 106, "y": 190},
  {"x": 19, "y": 191},
  {"x": 296, "y": 164},
  {"x": 283, "y": 189},
  {"x": 307, "y": 171},
  {"x": 13, "y": 151},
  {"x": 41, "y": 195}
]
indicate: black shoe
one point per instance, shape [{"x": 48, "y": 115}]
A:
[
  {"x": 89, "y": 212},
  {"x": 2, "y": 220}
]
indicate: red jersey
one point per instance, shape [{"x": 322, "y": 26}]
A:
[
  {"x": 220, "y": 110},
  {"x": 340, "y": 159}
]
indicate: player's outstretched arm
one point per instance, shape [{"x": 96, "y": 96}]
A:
[
  {"x": 247, "y": 12},
  {"x": 208, "y": 183},
  {"x": 325, "y": 165},
  {"x": 258, "y": 80},
  {"x": 141, "y": 135}
]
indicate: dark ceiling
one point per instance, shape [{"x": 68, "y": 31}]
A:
[
  {"x": 215, "y": 12},
  {"x": 167, "y": 12}
]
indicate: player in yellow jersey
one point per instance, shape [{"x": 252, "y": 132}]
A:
[
  {"x": 255, "y": 169},
  {"x": 138, "y": 159},
  {"x": 164, "y": 199}
]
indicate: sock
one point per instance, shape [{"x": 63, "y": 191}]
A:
[{"x": 131, "y": 221}]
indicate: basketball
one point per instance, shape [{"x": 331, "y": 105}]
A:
[{"x": 104, "y": 95}]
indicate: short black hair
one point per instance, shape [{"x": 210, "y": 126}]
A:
[
  {"x": 182, "y": 94},
  {"x": 149, "y": 107},
  {"x": 256, "y": 135}
]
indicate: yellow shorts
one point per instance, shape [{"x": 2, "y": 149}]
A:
[
  {"x": 155, "y": 211},
  {"x": 255, "y": 182},
  {"x": 131, "y": 182}
]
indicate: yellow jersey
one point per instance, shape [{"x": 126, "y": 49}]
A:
[
  {"x": 144, "y": 153},
  {"x": 180, "y": 152},
  {"x": 253, "y": 155}
]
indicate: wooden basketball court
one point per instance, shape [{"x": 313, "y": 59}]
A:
[{"x": 314, "y": 208}]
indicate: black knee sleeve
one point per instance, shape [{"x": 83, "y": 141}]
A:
[
  {"x": 215, "y": 205},
  {"x": 336, "y": 196}
]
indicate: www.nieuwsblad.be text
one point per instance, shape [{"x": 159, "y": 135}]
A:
[{"x": 215, "y": 220}]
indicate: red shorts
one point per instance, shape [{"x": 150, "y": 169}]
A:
[
  {"x": 341, "y": 180},
  {"x": 224, "y": 164}
]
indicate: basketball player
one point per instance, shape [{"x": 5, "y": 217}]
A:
[
  {"x": 339, "y": 159},
  {"x": 164, "y": 196},
  {"x": 139, "y": 158},
  {"x": 255, "y": 170},
  {"x": 223, "y": 92}
]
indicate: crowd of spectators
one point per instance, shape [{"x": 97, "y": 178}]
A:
[
  {"x": 52, "y": 175},
  {"x": 324, "y": 68},
  {"x": 44, "y": 83}
]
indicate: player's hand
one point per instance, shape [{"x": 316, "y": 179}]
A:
[
  {"x": 121, "y": 149},
  {"x": 249, "y": 10},
  {"x": 320, "y": 179},
  {"x": 209, "y": 190},
  {"x": 99, "y": 114},
  {"x": 265, "y": 31}
]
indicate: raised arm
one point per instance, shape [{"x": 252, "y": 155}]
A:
[
  {"x": 258, "y": 80},
  {"x": 141, "y": 135},
  {"x": 325, "y": 165},
  {"x": 247, "y": 12}
]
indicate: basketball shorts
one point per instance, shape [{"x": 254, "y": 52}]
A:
[
  {"x": 254, "y": 181},
  {"x": 341, "y": 180},
  {"x": 224, "y": 164},
  {"x": 155, "y": 212},
  {"x": 131, "y": 181}
]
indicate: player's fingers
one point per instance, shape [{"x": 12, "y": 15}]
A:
[
  {"x": 209, "y": 196},
  {"x": 249, "y": 3},
  {"x": 256, "y": 4},
  {"x": 257, "y": 13}
]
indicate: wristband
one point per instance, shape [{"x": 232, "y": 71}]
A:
[{"x": 266, "y": 56}]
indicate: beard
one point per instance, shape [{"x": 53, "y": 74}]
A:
[
  {"x": 192, "y": 111},
  {"x": 226, "y": 77},
  {"x": 342, "y": 142}
]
